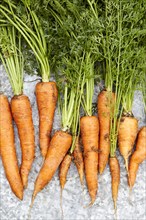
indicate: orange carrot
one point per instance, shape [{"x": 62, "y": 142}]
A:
[
  {"x": 7, "y": 148},
  {"x": 64, "y": 167},
  {"x": 89, "y": 132},
  {"x": 138, "y": 156},
  {"x": 46, "y": 95},
  {"x": 78, "y": 159},
  {"x": 105, "y": 108},
  {"x": 127, "y": 133},
  {"x": 22, "y": 114},
  {"x": 115, "y": 178},
  {"x": 59, "y": 145}
]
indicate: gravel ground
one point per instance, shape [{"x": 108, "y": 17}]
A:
[{"x": 47, "y": 203}]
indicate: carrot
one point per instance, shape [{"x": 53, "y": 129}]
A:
[
  {"x": 59, "y": 145},
  {"x": 89, "y": 133},
  {"x": 7, "y": 148},
  {"x": 46, "y": 95},
  {"x": 127, "y": 133},
  {"x": 105, "y": 99},
  {"x": 115, "y": 178},
  {"x": 138, "y": 156},
  {"x": 78, "y": 159},
  {"x": 22, "y": 114},
  {"x": 64, "y": 167}
]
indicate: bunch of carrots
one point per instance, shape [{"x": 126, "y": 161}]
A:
[{"x": 82, "y": 43}]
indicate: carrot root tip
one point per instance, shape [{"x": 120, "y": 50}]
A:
[
  {"x": 61, "y": 206},
  {"x": 126, "y": 165},
  {"x": 32, "y": 200},
  {"x": 115, "y": 206},
  {"x": 130, "y": 194},
  {"x": 90, "y": 204},
  {"x": 101, "y": 170},
  {"x": 115, "y": 209}
]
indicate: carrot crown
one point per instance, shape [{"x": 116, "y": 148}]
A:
[{"x": 11, "y": 56}]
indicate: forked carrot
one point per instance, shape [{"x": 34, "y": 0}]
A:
[
  {"x": 105, "y": 109},
  {"x": 46, "y": 95},
  {"x": 137, "y": 157},
  {"x": 59, "y": 145},
  {"x": 89, "y": 132},
  {"x": 127, "y": 133},
  {"x": 22, "y": 114},
  {"x": 7, "y": 148}
]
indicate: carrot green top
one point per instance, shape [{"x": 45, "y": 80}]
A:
[
  {"x": 29, "y": 26},
  {"x": 76, "y": 37},
  {"x": 121, "y": 27},
  {"x": 11, "y": 56}
]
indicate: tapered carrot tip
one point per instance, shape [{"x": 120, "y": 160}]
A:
[
  {"x": 20, "y": 196},
  {"x": 126, "y": 165},
  {"x": 130, "y": 190},
  {"x": 115, "y": 208},
  {"x": 82, "y": 180},
  {"x": 130, "y": 195},
  {"x": 24, "y": 181},
  {"x": 115, "y": 205},
  {"x": 62, "y": 213},
  {"x": 62, "y": 185},
  {"x": 101, "y": 169},
  {"x": 90, "y": 204},
  {"x": 32, "y": 200}
]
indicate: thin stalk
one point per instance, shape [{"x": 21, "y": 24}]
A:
[
  {"x": 113, "y": 129},
  {"x": 89, "y": 85},
  {"x": 67, "y": 111},
  {"x": 35, "y": 40},
  {"x": 10, "y": 53}
]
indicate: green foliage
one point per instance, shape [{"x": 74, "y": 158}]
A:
[
  {"x": 76, "y": 39},
  {"x": 27, "y": 23},
  {"x": 11, "y": 57},
  {"x": 80, "y": 41},
  {"x": 122, "y": 29}
]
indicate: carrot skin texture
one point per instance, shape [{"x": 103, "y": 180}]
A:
[
  {"x": 89, "y": 133},
  {"x": 127, "y": 133},
  {"x": 137, "y": 157},
  {"x": 46, "y": 95},
  {"x": 59, "y": 145},
  {"x": 78, "y": 159},
  {"x": 7, "y": 148},
  {"x": 64, "y": 167},
  {"x": 105, "y": 106},
  {"x": 22, "y": 114},
  {"x": 115, "y": 178}
]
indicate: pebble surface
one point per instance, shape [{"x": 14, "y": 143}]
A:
[{"x": 47, "y": 203}]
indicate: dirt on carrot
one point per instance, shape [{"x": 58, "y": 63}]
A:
[
  {"x": 64, "y": 167},
  {"x": 105, "y": 108},
  {"x": 89, "y": 133},
  {"x": 59, "y": 145},
  {"x": 7, "y": 148},
  {"x": 137, "y": 157},
  {"x": 22, "y": 114},
  {"x": 46, "y": 95},
  {"x": 127, "y": 133}
]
